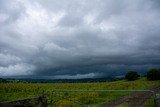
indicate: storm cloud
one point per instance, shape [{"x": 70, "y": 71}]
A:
[{"x": 78, "y": 38}]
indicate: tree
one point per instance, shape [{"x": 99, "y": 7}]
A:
[
  {"x": 132, "y": 75},
  {"x": 153, "y": 74}
]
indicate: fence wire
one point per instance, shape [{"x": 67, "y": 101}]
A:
[
  {"x": 101, "y": 98},
  {"x": 90, "y": 98}
]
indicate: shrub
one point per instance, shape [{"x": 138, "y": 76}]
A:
[
  {"x": 153, "y": 74},
  {"x": 132, "y": 75}
]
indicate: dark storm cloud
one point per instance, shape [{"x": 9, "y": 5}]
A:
[{"x": 76, "y": 39}]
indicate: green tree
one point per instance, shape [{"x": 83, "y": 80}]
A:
[
  {"x": 132, "y": 75},
  {"x": 153, "y": 74}
]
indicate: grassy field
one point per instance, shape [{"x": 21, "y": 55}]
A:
[{"x": 14, "y": 91}]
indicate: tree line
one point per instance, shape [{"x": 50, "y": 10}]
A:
[{"x": 152, "y": 74}]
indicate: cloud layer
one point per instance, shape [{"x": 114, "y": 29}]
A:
[{"x": 75, "y": 38}]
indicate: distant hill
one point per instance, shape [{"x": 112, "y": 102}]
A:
[{"x": 85, "y": 80}]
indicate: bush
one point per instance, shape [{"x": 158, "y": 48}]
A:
[
  {"x": 153, "y": 74},
  {"x": 132, "y": 75}
]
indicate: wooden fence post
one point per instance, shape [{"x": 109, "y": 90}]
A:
[
  {"x": 43, "y": 101},
  {"x": 157, "y": 100}
]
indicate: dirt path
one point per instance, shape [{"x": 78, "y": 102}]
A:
[{"x": 135, "y": 99}]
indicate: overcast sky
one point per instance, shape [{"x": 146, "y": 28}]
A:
[{"x": 78, "y": 38}]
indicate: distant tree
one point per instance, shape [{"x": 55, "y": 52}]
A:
[
  {"x": 132, "y": 75},
  {"x": 43, "y": 81},
  {"x": 153, "y": 74},
  {"x": 3, "y": 80}
]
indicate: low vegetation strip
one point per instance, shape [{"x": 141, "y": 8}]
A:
[{"x": 28, "y": 102}]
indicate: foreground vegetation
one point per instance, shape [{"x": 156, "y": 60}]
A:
[{"x": 14, "y": 91}]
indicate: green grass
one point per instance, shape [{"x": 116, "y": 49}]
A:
[
  {"x": 149, "y": 103},
  {"x": 123, "y": 105},
  {"x": 14, "y": 91}
]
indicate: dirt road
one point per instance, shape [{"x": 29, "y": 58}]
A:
[{"x": 135, "y": 99}]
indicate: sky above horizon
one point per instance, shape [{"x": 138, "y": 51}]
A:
[{"x": 78, "y": 38}]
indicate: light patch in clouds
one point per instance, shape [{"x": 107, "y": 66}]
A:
[
  {"x": 77, "y": 76},
  {"x": 37, "y": 20},
  {"x": 8, "y": 59},
  {"x": 17, "y": 70},
  {"x": 3, "y": 17},
  {"x": 51, "y": 47}
]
